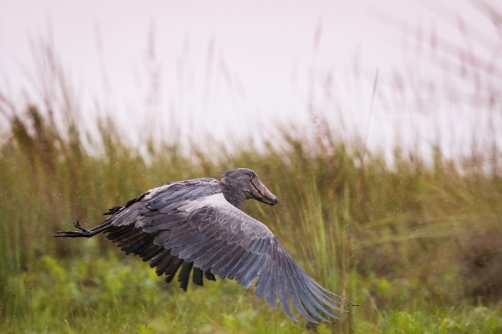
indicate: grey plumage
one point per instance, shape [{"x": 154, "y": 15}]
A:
[{"x": 196, "y": 226}]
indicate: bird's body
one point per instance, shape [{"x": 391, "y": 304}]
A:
[{"x": 196, "y": 225}]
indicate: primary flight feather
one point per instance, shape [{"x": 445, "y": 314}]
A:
[{"x": 196, "y": 225}]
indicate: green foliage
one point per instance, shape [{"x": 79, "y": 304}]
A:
[
  {"x": 416, "y": 245},
  {"x": 472, "y": 320},
  {"x": 108, "y": 295}
]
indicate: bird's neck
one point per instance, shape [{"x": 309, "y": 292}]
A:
[{"x": 232, "y": 195}]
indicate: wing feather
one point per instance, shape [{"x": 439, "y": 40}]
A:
[
  {"x": 173, "y": 268},
  {"x": 232, "y": 260},
  {"x": 271, "y": 288},
  {"x": 247, "y": 275},
  {"x": 149, "y": 252},
  {"x": 218, "y": 263},
  {"x": 159, "y": 257},
  {"x": 118, "y": 232},
  {"x": 307, "y": 295},
  {"x": 283, "y": 299},
  {"x": 263, "y": 278},
  {"x": 296, "y": 292},
  {"x": 138, "y": 244},
  {"x": 188, "y": 239},
  {"x": 296, "y": 302},
  {"x": 163, "y": 264},
  {"x": 243, "y": 262},
  {"x": 207, "y": 260},
  {"x": 203, "y": 249},
  {"x": 184, "y": 274},
  {"x": 209, "y": 275},
  {"x": 197, "y": 276}
]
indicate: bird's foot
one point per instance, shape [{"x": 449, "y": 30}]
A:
[
  {"x": 83, "y": 233},
  {"x": 77, "y": 225}
]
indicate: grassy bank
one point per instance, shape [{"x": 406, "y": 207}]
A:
[{"x": 418, "y": 245}]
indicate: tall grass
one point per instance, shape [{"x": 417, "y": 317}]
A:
[
  {"x": 405, "y": 237},
  {"x": 416, "y": 243}
]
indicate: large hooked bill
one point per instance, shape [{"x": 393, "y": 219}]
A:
[{"x": 261, "y": 193}]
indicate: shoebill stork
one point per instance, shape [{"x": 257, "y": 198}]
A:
[{"x": 196, "y": 225}]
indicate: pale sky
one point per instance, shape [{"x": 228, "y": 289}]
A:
[{"x": 229, "y": 66}]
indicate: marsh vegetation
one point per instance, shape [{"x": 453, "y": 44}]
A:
[{"x": 415, "y": 239}]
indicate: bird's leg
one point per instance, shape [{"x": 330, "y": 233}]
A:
[{"x": 83, "y": 233}]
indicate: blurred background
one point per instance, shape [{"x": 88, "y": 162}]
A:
[{"x": 376, "y": 123}]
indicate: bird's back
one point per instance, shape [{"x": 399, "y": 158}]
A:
[{"x": 166, "y": 198}]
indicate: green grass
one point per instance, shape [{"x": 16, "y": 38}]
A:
[
  {"x": 417, "y": 245},
  {"x": 106, "y": 294}
]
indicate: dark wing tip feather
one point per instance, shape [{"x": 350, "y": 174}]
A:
[
  {"x": 184, "y": 275},
  {"x": 197, "y": 276},
  {"x": 172, "y": 269},
  {"x": 209, "y": 276}
]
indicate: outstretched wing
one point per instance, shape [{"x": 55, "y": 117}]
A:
[
  {"x": 221, "y": 238},
  {"x": 215, "y": 237}
]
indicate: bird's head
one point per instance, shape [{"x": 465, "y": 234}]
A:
[{"x": 244, "y": 182}]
